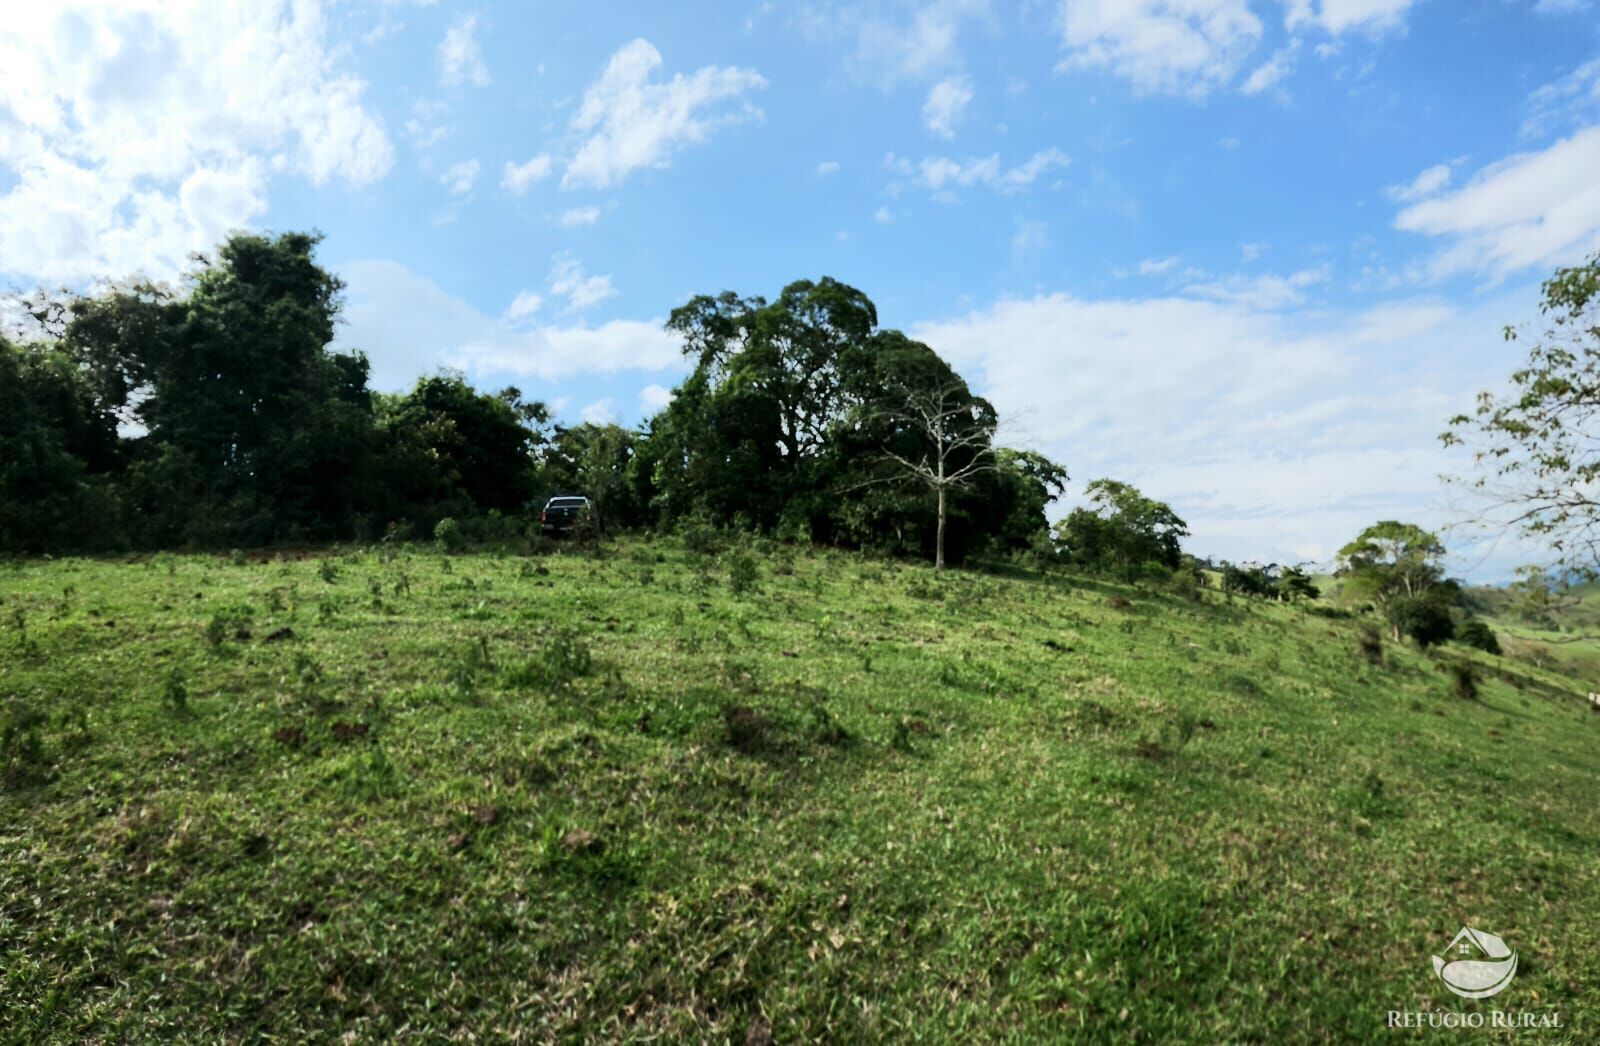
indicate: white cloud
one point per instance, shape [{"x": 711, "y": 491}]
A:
[
  {"x": 137, "y": 133},
  {"x": 1272, "y": 71},
  {"x": 654, "y": 398},
  {"x": 1533, "y": 209},
  {"x": 827, "y": 167},
  {"x": 577, "y": 216},
  {"x": 519, "y": 177},
  {"x": 601, "y": 412},
  {"x": 947, "y": 102},
  {"x": 460, "y": 177},
  {"x": 568, "y": 280},
  {"x": 1422, "y": 186},
  {"x": 409, "y": 327},
  {"x": 1156, "y": 266},
  {"x": 524, "y": 305},
  {"x": 633, "y": 123},
  {"x": 882, "y": 216},
  {"x": 424, "y": 126},
  {"x": 1160, "y": 46},
  {"x": 1573, "y": 100},
  {"x": 1277, "y": 435},
  {"x": 1341, "y": 16},
  {"x": 892, "y": 49},
  {"x": 941, "y": 173},
  {"x": 1263, "y": 293},
  {"x": 460, "y": 60}
]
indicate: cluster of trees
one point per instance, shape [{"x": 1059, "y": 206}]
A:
[
  {"x": 1269, "y": 581},
  {"x": 217, "y": 415}
]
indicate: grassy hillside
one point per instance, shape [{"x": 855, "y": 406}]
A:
[
  {"x": 754, "y": 796},
  {"x": 1568, "y": 642}
]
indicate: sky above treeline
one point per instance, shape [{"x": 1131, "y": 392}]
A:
[{"x": 1249, "y": 255}]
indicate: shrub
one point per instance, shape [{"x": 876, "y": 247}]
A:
[
  {"x": 1370, "y": 644},
  {"x": 1479, "y": 636},
  {"x": 1426, "y": 620},
  {"x": 1185, "y": 584},
  {"x": 1463, "y": 681},
  {"x": 742, "y": 573},
  {"x": 447, "y": 534},
  {"x": 700, "y": 537}
]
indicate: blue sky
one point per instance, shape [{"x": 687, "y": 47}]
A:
[{"x": 1247, "y": 255}]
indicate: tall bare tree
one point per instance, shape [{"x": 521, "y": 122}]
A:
[{"x": 957, "y": 430}]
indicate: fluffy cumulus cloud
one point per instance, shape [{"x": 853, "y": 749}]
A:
[
  {"x": 628, "y": 120},
  {"x": 460, "y": 59},
  {"x": 135, "y": 132},
  {"x": 1160, "y": 46},
  {"x": 518, "y": 178},
  {"x": 582, "y": 291},
  {"x": 1273, "y": 433},
  {"x": 1194, "y": 47},
  {"x": 1342, "y": 16},
  {"x": 1533, "y": 209},
  {"x": 409, "y": 326},
  {"x": 653, "y": 398},
  {"x": 947, "y": 103}
]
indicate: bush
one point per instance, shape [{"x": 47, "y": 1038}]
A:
[
  {"x": 1370, "y": 644},
  {"x": 742, "y": 573},
  {"x": 700, "y": 537},
  {"x": 1474, "y": 633},
  {"x": 1426, "y": 620},
  {"x": 1463, "y": 681},
  {"x": 1186, "y": 584},
  {"x": 447, "y": 533}
]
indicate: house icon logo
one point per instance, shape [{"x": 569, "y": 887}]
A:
[{"x": 1476, "y": 965}]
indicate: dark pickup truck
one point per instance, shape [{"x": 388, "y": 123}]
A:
[{"x": 563, "y": 514}]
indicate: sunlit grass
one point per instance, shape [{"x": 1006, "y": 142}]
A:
[{"x": 682, "y": 795}]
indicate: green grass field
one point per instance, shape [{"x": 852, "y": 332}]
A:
[{"x": 769, "y": 796}]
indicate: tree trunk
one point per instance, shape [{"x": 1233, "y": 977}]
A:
[{"x": 938, "y": 545}]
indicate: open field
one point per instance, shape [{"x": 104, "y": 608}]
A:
[{"x": 743, "y": 793}]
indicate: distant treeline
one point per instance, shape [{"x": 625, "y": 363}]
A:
[{"x": 215, "y": 415}]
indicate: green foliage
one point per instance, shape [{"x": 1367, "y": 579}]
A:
[
  {"x": 1463, "y": 681},
  {"x": 743, "y": 573},
  {"x": 1425, "y": 619},
  {"x": 1478, "y": 635},
  {"x": 1120, "y": 531},
  {"x": 1370, "y": 644},
  {"x": 447, "y": 534},
  {"x": 1534, "y": 444}
]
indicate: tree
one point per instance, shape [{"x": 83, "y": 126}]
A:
[
  {"x": 594, "y": 460},
  {"x": 957, "y": 430},
  {"x": 58, "y": 453},
  {"x": 1121, "y": 530},
  {"x": 1537, "y": 447},
  {"x": 1398, "y": 566},
  {"x": 450, "y": 449},
  {"x": 1294, "y": 583}
]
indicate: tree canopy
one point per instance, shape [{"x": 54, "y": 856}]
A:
[
  {"x": 1537, "y": 446},
  {"x": 216, "y": 413}
]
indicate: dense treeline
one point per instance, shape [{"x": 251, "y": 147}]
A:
[{"x": 216, "y": 415}]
